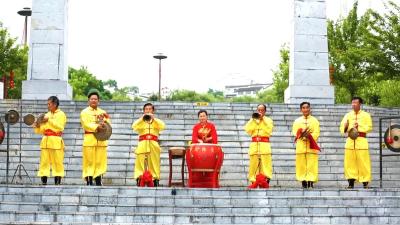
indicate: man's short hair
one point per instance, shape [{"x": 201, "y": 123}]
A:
[
  {"x": 93, "y": 92},
  {"x": 202, "y": 111},
  {"x": 54, "y": 100},
  {"x": 360, "y": 100},
  {"x": 303, "y": 103},
  {"x": 148, "y": 104},
  {"x": 265, "y": 107}
]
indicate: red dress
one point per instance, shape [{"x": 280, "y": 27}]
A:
[{"x": 202, "y": 131}]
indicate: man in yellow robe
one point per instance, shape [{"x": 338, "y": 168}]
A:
[
  {"x": 148, "y": 127},
  {"x": 94, "y": 153},
  {"x": 304, "y": 128},
  {"x": 260, "y": 129},
  {"x": 357, "y": 163},
  {"x": 52, "y": 144}
]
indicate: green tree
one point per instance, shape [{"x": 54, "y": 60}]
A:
[
  {"x": 389, "y": 93},
  {"x": 365, "y": 54},
  {"x": 280, "y": 78},
  {"x": 82, "y": 81},
  {"x": 125, "y": 93},
  {"x": 190, "y": 96},
  {"x": 347, "y": 50},
  {"x": 385, "y": 35},
  {"x": 245, "y": 99},
  {"x": 12, "y": 58}
]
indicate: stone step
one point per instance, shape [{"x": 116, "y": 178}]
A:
[
  {"x": 193, "y": 218},
  {"x": 75, "y": 204}
]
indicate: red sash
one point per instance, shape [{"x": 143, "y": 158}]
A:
[
  {"x": 260, "y": 139},
  {"x": 148, "y": 137},
  {"x": 362, "y": 134},
  {"x": 49, "y": 132}
]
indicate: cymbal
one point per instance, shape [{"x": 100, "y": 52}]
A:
[
  {"x": 394, "y": 144},
  {"x": 105, "y": 134}
]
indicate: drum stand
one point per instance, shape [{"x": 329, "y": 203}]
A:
[{"x": 20, "y": 164}]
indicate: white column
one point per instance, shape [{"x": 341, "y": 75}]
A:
[
  {"x": 309, "y": 69},
  {"x": 47, "y": 64}
]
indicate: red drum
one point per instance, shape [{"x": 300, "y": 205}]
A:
[{"x": 204, "y": 162}]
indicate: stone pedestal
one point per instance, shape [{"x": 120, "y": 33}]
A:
[
  {"x": 309, "y": 69},
  {"x": 47, "y": 66}
]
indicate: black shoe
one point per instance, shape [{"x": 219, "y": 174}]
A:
[
  {"x": 138, "y": 182},
  {"x": 98, "y": 181},
  {"x": 304, "y": 184},
  {"x": 365, "y": 185},
  {"x": 89, "y": 181},
  {"x": 156, "y": 183},
  {"x": 57, "y": 180},
  {"x": 351, "y": 183},
  {"x": 44, "y": 180},
  {"x": 310, "y": 184}
]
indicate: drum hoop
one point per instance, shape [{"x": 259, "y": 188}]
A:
[{"x": 208, "y": 144}]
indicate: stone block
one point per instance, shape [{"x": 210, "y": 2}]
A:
[
  {"x": 308, "y": 77},
  {"x": 310, "y": 26},
  {"x": 313, "y": 9},
  {"x": 42, "y": 89},
  {"x": 49, "y": 7},
  {"x": 282, "y": 219},
  {"x": 47, "y": 21},
  {"x": 310, "y": 61}
]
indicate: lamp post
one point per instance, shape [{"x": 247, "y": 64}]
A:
[
  {"x": 25, "y": 12},
  {"x": 160, "y": 57}
]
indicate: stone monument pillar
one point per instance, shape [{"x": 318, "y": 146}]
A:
[
  {"x": 47, "y": 66},
  {"x": 309, "y": 69}
]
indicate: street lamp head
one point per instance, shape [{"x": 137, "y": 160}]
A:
[
  {"x": 25, "y": 12},
  {"x": 160, "y": 56}
]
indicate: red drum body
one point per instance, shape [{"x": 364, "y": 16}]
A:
[{"x": 204, "y": 162}]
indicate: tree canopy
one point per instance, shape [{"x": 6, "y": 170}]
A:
[{"x": 13, "y": 60}]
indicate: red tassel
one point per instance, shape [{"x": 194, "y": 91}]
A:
[
  {"x": 261, "y": 182},
  {"x": 389, "y": 140},
  {"x": 12, "y": 84},
  {"x": 146, "y": 179},
  {"x": 313, "y": 143}
]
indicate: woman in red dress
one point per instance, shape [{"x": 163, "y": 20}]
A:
[{"x": 204, "y": 131}]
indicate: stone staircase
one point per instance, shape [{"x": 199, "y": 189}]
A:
[
  {"x": 86, "y": 205},
  {"x": 119, "y": 201}
]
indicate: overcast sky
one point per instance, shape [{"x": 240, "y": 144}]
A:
[{"x": 209, "y": 43}]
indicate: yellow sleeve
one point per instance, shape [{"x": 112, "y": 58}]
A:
[
  {"x": 138, "y": 124},
  {"x": 86, "y": 123},
  {"x": 366, "y": 123},
  {"x": 315, "y": 129},
  {"x": 59, "y": 122},
  {"x": 295, "y": 127},
  {"x": 159, "y": 124},
  {"x": 250, "y": 126},
  {"x": 39, "y": 130},
  {"x": 267, "y": 125},
  {"x": 342, "y": 123}
]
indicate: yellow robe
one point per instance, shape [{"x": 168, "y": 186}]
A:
[
  {"x": 148, "y": 148},
  {"x": 357, "y": 163},
  {"x": 52, "y": 147},
  {"x": 94, "y": 153},
  {"x": 306, "y": 158},
  {"x": 259, "y": 152}
]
